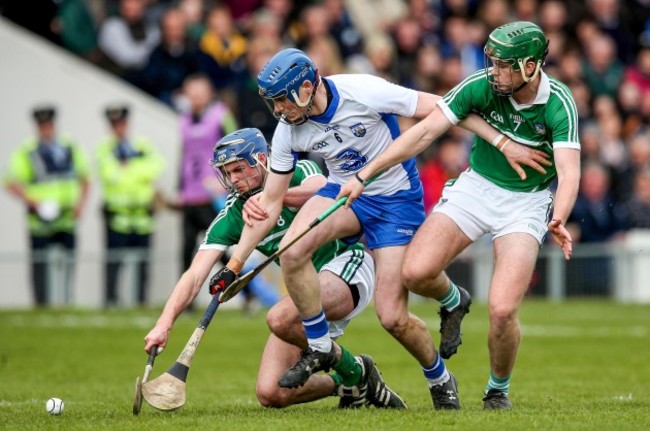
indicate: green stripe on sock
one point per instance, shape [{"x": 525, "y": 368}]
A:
[
  {"x": 498, "y": 383},
  {"x": 451, "y": 298}
]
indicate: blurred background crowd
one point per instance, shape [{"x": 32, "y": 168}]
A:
[{"x": 599, "y": 48}]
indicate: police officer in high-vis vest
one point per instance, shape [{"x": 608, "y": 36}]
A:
[
  {"x": 128, "y": 170},
  {"x": 49, "y": 173}
]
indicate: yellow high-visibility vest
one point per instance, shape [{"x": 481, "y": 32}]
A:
[
  {"x": 129, "y": 186},
  {"x": 42, "y": 183}
]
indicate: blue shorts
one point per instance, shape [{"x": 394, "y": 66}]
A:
[{"x": 385, "y": 220}]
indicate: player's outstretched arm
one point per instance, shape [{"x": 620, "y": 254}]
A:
[
  {"x": 409, "y": 144},
  {"x": 567, "y": 163},
  {"x": 186, "y": 289}
]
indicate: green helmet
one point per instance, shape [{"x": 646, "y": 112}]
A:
[{"x": 517, "y": 43}]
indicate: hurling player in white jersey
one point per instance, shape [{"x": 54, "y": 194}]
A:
[
  {"x": 525, "y": 104},
  {"x": 346, "y": 272},
  {"x": 349, "y": 120}
]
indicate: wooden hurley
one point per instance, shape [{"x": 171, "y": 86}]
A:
[{"x": 167, "y": 392}]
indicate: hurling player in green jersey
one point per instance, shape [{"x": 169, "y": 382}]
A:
[
  {"x": 346, "y": 271},
  {"x": 534, "y": 114}
]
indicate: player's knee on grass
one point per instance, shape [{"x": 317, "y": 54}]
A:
[{"x": 272, "y": 396}]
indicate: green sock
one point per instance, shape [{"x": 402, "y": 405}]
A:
[
  {"x": 338, "y": 380},
  {"x": 347, "y": 369},
  {"x": 451, "y": 299},
  {"x": 498, "y": 383}
]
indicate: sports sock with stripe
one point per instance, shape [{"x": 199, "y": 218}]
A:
[
  {"x": 437, "y": 373},
  {"x": 451, "y": 299},
  {"x": 318, "y": 334},
  {"x": 498, "y": 383}
]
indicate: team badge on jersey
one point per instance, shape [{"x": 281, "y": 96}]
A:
[
  {"x": 358, "y": 130},
  {"x": 540, "y": 129}
]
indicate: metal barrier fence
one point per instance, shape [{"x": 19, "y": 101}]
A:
[
  {"x": 618, "y": 271},
  {"x": 79, "y": 279}
]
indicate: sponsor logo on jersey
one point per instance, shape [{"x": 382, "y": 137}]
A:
[
  {"x": 358, "y": 130},
  {"x": 540, "y": 129},
  {"x": 496, "y": 116},
  {"x": 517, "y": 118},
  {"x": 334, "y": 127},
  {"x": 319, "y": 145}
]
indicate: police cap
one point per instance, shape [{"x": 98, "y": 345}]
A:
[
  {"x": 44, "y": 113},
  {"x": 117, "y": 112}
]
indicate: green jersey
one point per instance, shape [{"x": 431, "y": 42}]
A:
[
  {"x": 227, "y": 227},
  {"x": 550, "y": 122}
]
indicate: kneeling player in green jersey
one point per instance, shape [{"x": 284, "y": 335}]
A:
[
  {"x": 531, "y": 110},
  {"x": 346, "y": 272}
]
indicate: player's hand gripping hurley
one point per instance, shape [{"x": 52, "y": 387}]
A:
[{"x": 167, "y": 392}]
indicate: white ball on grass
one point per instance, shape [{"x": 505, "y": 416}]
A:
[{"x": 54, "y": 406}]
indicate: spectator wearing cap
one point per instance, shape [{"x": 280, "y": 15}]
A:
[
  {"x": 128, "y": 170},
  {"x": 49, "y": 174}
]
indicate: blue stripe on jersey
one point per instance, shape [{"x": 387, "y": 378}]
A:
[
  {"x": 409, "y": 165},
  {"x": 391, "y": 122},
  {"x": 326, "y": 117}
]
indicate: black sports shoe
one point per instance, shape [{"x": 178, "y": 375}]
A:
[
  {"x": 378, "y": 394},
  {"x": 310, "y": 362},
  {"x": 445, "y": 396},
  {"x": 450, "y": 325},
  {"x": 354, "y": 397},
  {"x": 496, "y": 400}
]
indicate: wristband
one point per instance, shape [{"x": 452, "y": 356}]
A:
[
  {"x": 504, "y": 145},
  {"x": 235, "y": 265},
  {"x": 358, "y": 177},
  {"x": 497, "y": 139}
]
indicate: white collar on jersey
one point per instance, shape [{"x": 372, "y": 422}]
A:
[{"x": 543, "y": 93}]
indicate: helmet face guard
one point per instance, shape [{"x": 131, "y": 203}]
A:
[
  {"x": 280, "y": 80},
  {"x": 514, "y": 44},
  {"x": 237, "y": 152}
]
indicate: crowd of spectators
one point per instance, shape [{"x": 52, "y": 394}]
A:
[{"x": 599, "y": 48}]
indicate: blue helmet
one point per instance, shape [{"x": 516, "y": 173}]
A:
[
  {"x": 284, "y": 73},
  {"x": 246, "y": 145}
]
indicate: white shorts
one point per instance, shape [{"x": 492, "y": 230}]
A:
[
  {"x": 478, "y": 206},
  {"x": 357, "y": 269}
]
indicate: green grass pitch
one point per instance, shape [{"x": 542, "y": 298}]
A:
[{"x": 582, "y": 365}]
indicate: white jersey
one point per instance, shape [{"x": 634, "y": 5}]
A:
[{"x": 358, "y": 125}]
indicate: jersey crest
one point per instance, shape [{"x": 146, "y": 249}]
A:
[{"x": 358, "y": 130}]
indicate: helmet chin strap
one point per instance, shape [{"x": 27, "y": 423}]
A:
[
  {"x": 310, "y": 100},
  {"x": 527, "y": 79}
]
